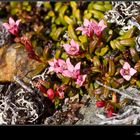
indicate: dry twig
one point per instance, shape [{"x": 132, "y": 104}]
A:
[
  {"x": 118, "y": 91},
  {"x": 22, "y": 84}
]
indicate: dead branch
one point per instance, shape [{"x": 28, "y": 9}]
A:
[
  {"x": 118, "y": 91},
  {"x": 22, "y": 84},
  {"x": 128, "y": 120},
  {"x": 130, "y": 116}
]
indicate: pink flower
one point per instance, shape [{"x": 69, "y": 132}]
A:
[
  {"x": 60, "y": 91},
  {"x": 87, "y": 28},
  {"x": 57, "y": 65},
  {"x": 102, "y": 25},
  {"x": 12, "y": 27},
  {"x": 99, "y": 28},
  {"x": 81, "y": 79},
  {"x": 62, "y": 64},
  {"x": 127, "y": 72},
  {"x": 72, "y": 71},
  {"x": 72, "y": 49},
  {"x": 50, "y": 94},
  {"x": 90, "y": 27}
]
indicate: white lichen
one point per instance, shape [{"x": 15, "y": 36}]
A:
[
  {"x": 10, "y": 110},
  {"x": 122, "y": 14}
]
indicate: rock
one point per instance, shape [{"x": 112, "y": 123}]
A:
[
  {"x": 88, "y": 113},
  {"x": 15, "y": 62}
]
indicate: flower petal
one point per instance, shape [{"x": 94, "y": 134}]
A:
[
  {"x": 127, "y": 77},
  {"x": 132, "y": 71},
  {"x": 93, "y": 24},
  {"x": 101, "y": 24},
  {"x": 67, "y": 73},
  {"x": 85, "y": 32},
  {"x": 100, "y": 103},
  {"x": 126, "y": 66},
  {"x": 70, "y": 66},
  {"x": 97, "y": 31},
  {"x": 6, "y": 25},
  {"x": 11, "y": 21},
  {"x": 122, "y": 72},
  {"x": 61, "y": 62},
  {"x": 73, "y": 43},
  {"x": 80, "y": 28},
  {"x": 18, "y": 21},
  {"x": 58, "y": 69},
  {"x": 77, "y": 66},
  {"x": 81, "y": 80},
  {"x": 66, "y": 47},
  {"x": 84, "y": 77},
  {"x": 86, "y": 22},
  {"x": 51, "y": 69},
  {"x": 61, "y": 95},
  {"x": 51, "y": 63}
]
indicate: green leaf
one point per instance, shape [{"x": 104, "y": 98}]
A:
[
  {"x": 134, "y": 55},
  {"x": 64, "y": 56},
  {"x": 99, "y": 7},
  {"x": 57, "y": 101},
  {"x": 81, "y": 93},
  {"x": 138, "y": 83},
  {"x": 65, "y": 80},
  {"x": 68, "y": 20},
  {"x": 83, "y": 38},
  {"x": 57, "y": 6},
  {"x": 71, "y": 33},
  {"x": 128, "y": 42},
  {"x": 57, "y": 53},
  {"x": 101, "y": 51}
]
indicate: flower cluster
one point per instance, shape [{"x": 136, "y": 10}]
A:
[
  {"x": 92, "y": 27},
  {"x": 72, "y": 48},
  {"x": 67, "y": 70},
  {"x": 50, "y": 93}
]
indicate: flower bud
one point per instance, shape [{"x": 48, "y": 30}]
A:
[
  {"x": 50, "y": 94},
  {"x": 100, "y": 103}
]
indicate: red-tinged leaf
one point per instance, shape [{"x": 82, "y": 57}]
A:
[
  {"x": 26, "y": 42},
  {"x": 32, "y": 55},
  {"x": 109, "y": 110},
  {"x": 29, "y": 48},
  {"x": 40, "y": 87},
  {"x": 109, "y": 114}
]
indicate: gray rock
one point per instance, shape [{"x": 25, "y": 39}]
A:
[
  {"x": 86, "y": 115},
  {"x": 89, "y": 112}
]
